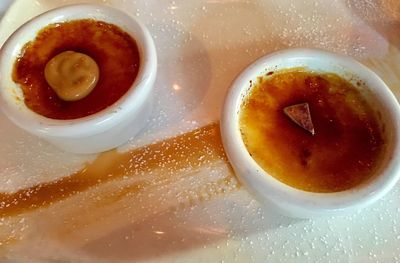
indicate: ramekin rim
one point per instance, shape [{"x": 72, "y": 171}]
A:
[
  {"x": 254, "y": 176},
  {"x": 105, "y": 118}
]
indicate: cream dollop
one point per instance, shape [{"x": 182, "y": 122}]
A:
[{"x": 72, "y": 75}]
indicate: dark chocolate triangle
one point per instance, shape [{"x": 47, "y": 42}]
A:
[{"x": 300, "y": 114}]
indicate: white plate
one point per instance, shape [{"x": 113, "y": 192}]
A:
[{"x": 202, "y": 45}]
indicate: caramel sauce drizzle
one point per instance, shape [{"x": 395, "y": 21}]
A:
[{"x": 187, "y": 151}]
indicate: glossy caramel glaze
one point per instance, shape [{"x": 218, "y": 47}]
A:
[
  {"x": 114, "y": 51},
  {"x": 348, "y": 142}
]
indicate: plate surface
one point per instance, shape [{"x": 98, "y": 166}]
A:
[{"x": 188, "y": 206}]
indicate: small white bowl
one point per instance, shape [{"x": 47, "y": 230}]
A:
[
  {"x": 98, "y": 132},
  {"x": 291, "y": 201}
]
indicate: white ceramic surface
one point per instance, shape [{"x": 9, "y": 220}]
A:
[
  {"x": 202, "y": 46},
  {"x": 98, "y": 132},
  {"x": 291, "y": 201}
]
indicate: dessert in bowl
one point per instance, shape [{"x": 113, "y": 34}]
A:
[
  {"x": 312, "y": 133},
  {"x": 79, "y": 76}
]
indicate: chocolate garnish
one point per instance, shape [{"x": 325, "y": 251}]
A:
[{"x": 300, "y": 114}]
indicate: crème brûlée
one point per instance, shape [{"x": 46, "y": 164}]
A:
[
  {"x": 348, "y": 142},
  {"x": 76, "y": 68}
]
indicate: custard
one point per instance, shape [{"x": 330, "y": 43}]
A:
[
  {"x": 348, "y": 142},
  {"x": 113, "y": 50}
]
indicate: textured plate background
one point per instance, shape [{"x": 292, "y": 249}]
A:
[{"x": 189, "y": 215}]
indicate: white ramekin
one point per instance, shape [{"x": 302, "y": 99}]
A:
[
  {"x": 288, "y": 200},
  {"x": 101, "y": 131}
]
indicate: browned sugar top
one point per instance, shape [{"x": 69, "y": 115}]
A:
[{"x": 348, "y": 141}]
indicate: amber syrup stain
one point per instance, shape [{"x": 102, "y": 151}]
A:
[{"x": 188, "y": 151}]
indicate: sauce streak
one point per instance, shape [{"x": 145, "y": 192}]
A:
[
  {"x": 347, "y": 145},
  {"x": 114, "y": 51},
  {"x": 188, "y": 151}
]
